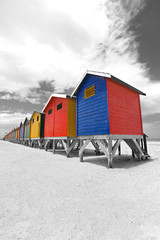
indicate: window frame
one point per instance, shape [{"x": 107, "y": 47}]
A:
[
  {"x": 50, "y": 111},
  {"x": 59, "y": 106},
  {"x": 89, "y": 89}
]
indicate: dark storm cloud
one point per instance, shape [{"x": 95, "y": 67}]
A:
[
  {"x": 13, "y": 106},
  {"x": 41, "y": 93},
  {"x": 35, "y": 100},
  {"x": 147, "y": 29},
  {"x": 68, "y": 91}
]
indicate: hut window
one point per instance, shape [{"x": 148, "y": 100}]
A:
[
  {"x": 33, "y": 120},
  {"x": 37, "y": 118},
  {"x": 50, "y": 111},
  {"x": 88, "y": 92},
  {"x": 59, "y": 106}
]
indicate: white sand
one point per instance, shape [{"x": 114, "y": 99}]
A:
[{"x": 48, "y": 197}]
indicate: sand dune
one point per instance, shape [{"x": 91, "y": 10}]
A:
[{"x": 50, "y": 197}]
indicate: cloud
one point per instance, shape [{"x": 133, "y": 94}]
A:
[
  {"x": 35, "y": 95},
  {"x": 152, "y": 129},
  {"x": 66, "y": 41},
  {"x": 10, "y": 120},
  {"x": 152, "y": 118},
  {"x": 117, "y": 52}
]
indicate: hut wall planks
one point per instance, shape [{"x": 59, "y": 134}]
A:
[
  {"x": 35, "y": 125},
  {"x": 71, "y": 118},
  {"x": 27, "y": 129},
  {"x": 124, "y": 109},
  {"x": 92, "y": 112},
  {"x": 60, "y": 117}
]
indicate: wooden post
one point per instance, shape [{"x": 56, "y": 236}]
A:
[
  {"x": 40, "y": 143},
  {"x": 145, "y": 143},
  {"x": 119, "y": 150},
  {"x": 139, "y": 154},
  {"x": 71, "y": 146},
  {"x": 82, "y": 149},
  {"x": 80, "y": 145},
  {"x": 110, "y": 158},
  {"x": 54, "y": 146},
  {"x": 115, "y": 147},
  {"x": 142, "y": 144},
  {"x": 96, "y": 146},
  {"x": 45, "y": 146},
  {"x": 67, "y": 147}
]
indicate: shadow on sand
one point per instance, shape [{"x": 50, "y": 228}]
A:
[{"x": 123, "y": 161}]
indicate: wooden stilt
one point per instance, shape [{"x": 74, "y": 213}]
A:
[
  {"x": 145, "y": 143},
  {"x": 54, "y": 146},
  {"x": 71, "y": 146},
  {"x": 82, "y": 149},
  {"x": 140, "y": 152},
  {"x": 119, "y": 150},
  {"x": 46, "y": 145},
  {"x": 142, "y": 144},
  {"x": 80, "y": 143},
  {"x": 110, "y": 153},
  {"x": 115, "y": 147},
  {"x": 64, "y": 144},
  {"x": 96, "y": 146},
  {"x": 67, "y": 147},
  {"x": 102, "y": 146},
  {"x": 39, "y": 143}
]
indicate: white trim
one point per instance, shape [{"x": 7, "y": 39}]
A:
[
  {"x": 54, "y": 95},
  {"x": 102, "y": 74}
]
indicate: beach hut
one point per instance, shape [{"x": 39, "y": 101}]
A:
[
  {"x": 108, "y": 109},
  {"x": 10, "y": 135},
  {"x": 37, "y": 129},
  {"x": 21, "y": 132},
  {"x": 18, "y": 134},
  {"x": 13, "y": 135},
  {"x": 26, "y": 131},
  {"x": 60, "y": 122}
]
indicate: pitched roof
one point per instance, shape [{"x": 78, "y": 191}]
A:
[
  {"x": 102, "y": 74},
  {"x": 36, "y": 112},
  {"x": 54, "y": 95}
]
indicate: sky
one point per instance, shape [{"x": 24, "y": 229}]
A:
[{"x": 46, "y": 46}]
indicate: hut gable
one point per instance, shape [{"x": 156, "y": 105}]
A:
[
  {"x": 124, "y": 109},
  {"x": 71, "y": 117}
]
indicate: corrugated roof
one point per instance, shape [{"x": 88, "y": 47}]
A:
[{"x": 102, "y": 74}]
